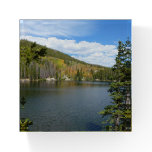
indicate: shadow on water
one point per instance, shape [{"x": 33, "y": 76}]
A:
[{"x": 92, "y": 127}]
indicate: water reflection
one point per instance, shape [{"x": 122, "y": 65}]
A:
[
  {"x": 61, "y": 84},
  {"x": 64, "y": 106}
]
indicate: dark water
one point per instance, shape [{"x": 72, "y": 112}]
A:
[{"x": 64, "y": 106}]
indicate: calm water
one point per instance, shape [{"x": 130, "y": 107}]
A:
[{"x": 64, "y": 106}]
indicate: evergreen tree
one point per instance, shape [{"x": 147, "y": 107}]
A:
[
  {"x": 24, "y": 122},
  {"x": 57, "y": 76},
  {"x": 79, "y": 75},
  {"x": 30, "y": 55},
  {"x": 39, "y": 72},
  {"x": 119, "y": 112}
]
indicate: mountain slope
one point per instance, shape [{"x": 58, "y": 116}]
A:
[
  {"x": 51, "y": 52},
  {"x": 53, "y": 63}
]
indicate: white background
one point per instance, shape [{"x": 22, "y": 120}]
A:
[{"x": 140, "y": 139}]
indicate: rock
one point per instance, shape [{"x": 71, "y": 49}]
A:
[
  {"x": 97, "y": 79},
  {"x": 24, "y": 80},
  {"x": 50, "y": 79},
  {"x": 67, "y": 79}
]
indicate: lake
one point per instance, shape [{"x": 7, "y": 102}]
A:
[{"x": 64, "y": 106}]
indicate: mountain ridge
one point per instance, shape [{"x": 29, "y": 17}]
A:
[
  {"x": 57, "y": 53},
  {"x": 40, "y": 62}
]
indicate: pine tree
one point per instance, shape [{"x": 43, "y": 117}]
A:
[
  {"x": 120, "y": 111},
  {"x": 57, "y": 76},
  {"x": 28, "y": 55},
  {"x": 38, "y": 72},
  {"x": 79, "y": 75}
]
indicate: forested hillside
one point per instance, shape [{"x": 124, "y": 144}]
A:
[
  {"x": 40, "y": 62},
  {"x": 119, "y": 112}
]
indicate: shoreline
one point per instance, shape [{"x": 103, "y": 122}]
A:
[{"x": 28, "y": 80}]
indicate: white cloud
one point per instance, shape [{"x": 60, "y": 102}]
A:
[
  {"x": 49, "y": 28},
  {"x": 90, "y": 52}
]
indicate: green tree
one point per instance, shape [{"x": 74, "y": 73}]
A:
[
  {"x": 31, "y": 53},
  {"x": 79, "y": 75},
  {"x": 119, "y": 113},
  {"x": 57, "y": 76},
  {"x": 29, "y": 56},
  {"x": 24, "y": 122},
  {"x": 39, "y": 72}
]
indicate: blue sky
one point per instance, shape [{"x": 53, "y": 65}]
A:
[{"x": 93, "y": 41}]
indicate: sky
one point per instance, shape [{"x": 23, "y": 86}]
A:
[{"x": 92, "y": 41}]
